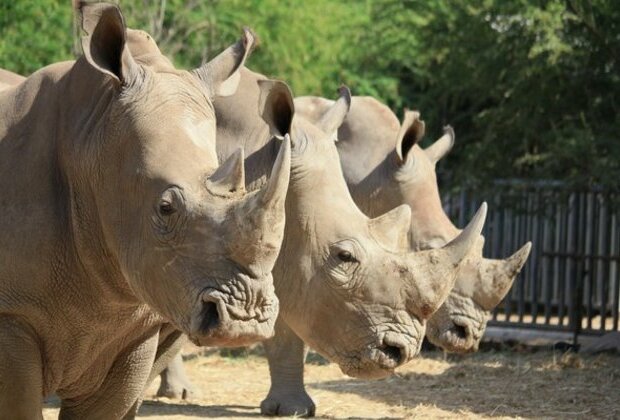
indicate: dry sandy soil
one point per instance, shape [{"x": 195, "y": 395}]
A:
[{"x": 490, "y": 384}]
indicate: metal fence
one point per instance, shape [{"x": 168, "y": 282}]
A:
[{"x": 571, "y": 281}]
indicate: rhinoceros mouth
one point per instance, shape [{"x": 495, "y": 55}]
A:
[
  {"x": 226, "y": 318},
  {"x": 391, "y": 349},
  {"x": 464, "y": 333}
]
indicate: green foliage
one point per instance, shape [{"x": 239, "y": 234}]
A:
[
  {"x": 34, "y": 34},
  {"x": 531, "y": 86}
]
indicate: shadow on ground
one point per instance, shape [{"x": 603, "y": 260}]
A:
[
  {"x": 159, "y": 408},
  {"x": 541, "y": 385}
]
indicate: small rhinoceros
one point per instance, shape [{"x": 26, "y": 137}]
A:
[
  {"x": 384, "y": 167},
  {"x": 118, "y": 222},
  {"x": 348, "y": 285}
]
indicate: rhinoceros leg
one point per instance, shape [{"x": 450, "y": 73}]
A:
[
  {"x": 122, "y": 388},
  {"x": 174, "y": 382},
  {"x": 21, "y": 372},
  {"x": 169, "y": 345},
  {"x": 287, "y": 396}
]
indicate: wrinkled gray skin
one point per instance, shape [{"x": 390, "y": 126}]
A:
[
  {"x": 384, "y": 167},
  {"x": 118, "y": 226},
  {"x": 348, "y": 287}
]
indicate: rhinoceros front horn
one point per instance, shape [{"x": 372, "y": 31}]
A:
[
  {"x": 275, "y": 191},
  {"x": 258, "y": 219},
  {"x": 433, "y": 272},
  {"x": 497, "y": 277},
  {"x": 459, "y": 247}
]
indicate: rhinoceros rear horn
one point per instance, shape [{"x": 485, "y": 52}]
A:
[
  {"x": 442, "y": 146},
  {"x": 276, "y": 106},
  {"x": 497, "y": 277},
  {"x": 391, "y": 229},
  {"x": 229, "y": 177},
  {"x": 221, "y": 75},
  {"x": 275, "y": 191},
  {"x": 333, "y": 118},
  {"x": 410, "y": 133},
  {"x": 460, "y": 246},
  {"x": 105, "y": 39}
]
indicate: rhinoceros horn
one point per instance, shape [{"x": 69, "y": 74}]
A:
[
  {"x": 221, "y": 75},
  {"x": 275, "y": 191},
  {"x": 392, "y": 228},
  {"x": 441, "y": 146},
  {"x": 434, "y": 271},
  {"x": 229, "y": 177},
  {"x": 497, "y": 277},
  {"x": 333, "y": 118},
  {"x": 410, "y": 133},
  {"x": 250, "y": 244}
]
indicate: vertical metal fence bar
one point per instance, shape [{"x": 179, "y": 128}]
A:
[
  {"x": 603, "y": 266},
  {"x": 587, "y": 223},
  {"x": 614, "y": 265}
]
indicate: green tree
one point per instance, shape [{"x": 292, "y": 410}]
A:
[{"x": 531, "y": 86}]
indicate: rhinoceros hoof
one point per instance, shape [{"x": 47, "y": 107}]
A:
[
  {"x": 177, "y": 389},
  {"x": 299, "y": 405}
]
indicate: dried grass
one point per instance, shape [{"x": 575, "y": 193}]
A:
[{"x": 492, "y": 384}]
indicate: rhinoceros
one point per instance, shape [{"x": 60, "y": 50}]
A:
[
  {"x": 119, "y": 223},
  {"x": 9, "y": 79},
  {"x": 348, "y": 285},
  {"x": 384, "y": 167}
]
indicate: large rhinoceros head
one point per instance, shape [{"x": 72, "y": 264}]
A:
[
  {"x": 186, "y": 236},
  {"x": 349, "y": 286}
]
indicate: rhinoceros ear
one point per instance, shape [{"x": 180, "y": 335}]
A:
[
  {"x": 104, "y": 43},
  {"x": 442, "y": 146},
  {"x": 392, "y": 228},
  {"x": 333, "y": 118},
  {"x": 276, "y": 106},
  {"x": 221, "y": 75},
  {"x": 410, "y": 133}
]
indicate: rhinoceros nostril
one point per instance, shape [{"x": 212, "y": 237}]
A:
[
  {"x": 460, "y": 331},
  {"x": 211, "y": 317},
  {"x": 393, "y": 353}
]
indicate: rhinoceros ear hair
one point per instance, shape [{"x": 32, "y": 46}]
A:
[
  {"x": 410, "y": 133},
  {"x": 333, "y": 118},
  {"x": 442, "y": 146},
  {"x": 276, "y": 106},
  {"x": 221, "y": 75},
  {"x": 104, "y": 43}
]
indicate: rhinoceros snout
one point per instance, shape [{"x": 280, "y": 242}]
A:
[{"x": 237, "y": 313}]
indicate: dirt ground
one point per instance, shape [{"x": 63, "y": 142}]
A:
[{"x": 491, "y": 384}]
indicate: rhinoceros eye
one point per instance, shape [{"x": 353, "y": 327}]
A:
[
  {"x": 168, "y": 214},
  {"x": 346, "y": 256},
  {"x": 166, "y": 208}
]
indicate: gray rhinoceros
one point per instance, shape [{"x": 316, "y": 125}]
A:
[
  {"x": 9, "y": 79},
  {"x": 348, "y": 285},
  {"x": 119, "y": 222},
  {"x": 384, "y": 167}
]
